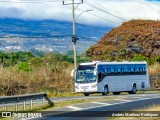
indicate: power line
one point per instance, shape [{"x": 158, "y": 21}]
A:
[
  {"x": 103, "y": 10},
  {"x": 19, "y": 37},
  {"x": 99, "y": 16},
  {"x": 29, "y": 1}
]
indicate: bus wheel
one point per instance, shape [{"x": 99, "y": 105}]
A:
[
  {"x": 86, "y": 94},
  {"x": 116, "y": 93},
  {"x": 105, "y": 91},
  {"x": 134, "y": 90}
]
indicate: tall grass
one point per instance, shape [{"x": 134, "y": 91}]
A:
[
  {"x": 154, "y": 69},
  {"x": 55, "y": 78}
]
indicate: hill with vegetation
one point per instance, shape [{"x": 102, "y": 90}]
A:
[{"x": 133, "y": 40}]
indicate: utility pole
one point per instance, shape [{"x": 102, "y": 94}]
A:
[{"x": 74, "y": 37}]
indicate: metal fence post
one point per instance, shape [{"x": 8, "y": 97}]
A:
[
  {"x": 5, "y": 107},
  {"x": 42, "y": 100},
  {"x": 24, "y": 105},
  {"x": 16, "y": 106},
  {"x": 31, "y": 104},
  {"x": 37, "y": 102}
]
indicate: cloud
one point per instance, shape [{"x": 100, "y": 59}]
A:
[
  {"x": 127, "y": 9},
  {"x": 11, "y": 12}
]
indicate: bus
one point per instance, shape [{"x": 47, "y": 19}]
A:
[{"x": 115, "y": 77}]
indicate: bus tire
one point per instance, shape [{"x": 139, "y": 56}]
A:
[
  {"x": 134, "y": 90},
  {"x": 86, "y": 94},
  {"x": 106, "y": 91},
  {"x": 116, "y": 93}
]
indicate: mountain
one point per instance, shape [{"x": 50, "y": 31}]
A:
[
  {"x": 126, "y": 42},
  {"x": 46, "y": 35}
]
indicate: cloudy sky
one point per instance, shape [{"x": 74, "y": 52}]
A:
[{"x": 119, "y": 10}]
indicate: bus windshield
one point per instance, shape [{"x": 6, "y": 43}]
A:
[{"x": 85, "y": 74}]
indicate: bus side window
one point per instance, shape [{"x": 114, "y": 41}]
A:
[
  {"x": 125, "y": 71},
  {"x": 119, "y": 70},
  {"x": 132, "y": 70},
  {"x": 108, "y": 71},
  {"x": 144, "y": 70},
  {"x": 129, "y": 70},
  {"x": 105, "y": 70},
  {"x": 115, "y": 71},
  {"x": 112, "y": 70},
  {"x": 137, "y": 69}
]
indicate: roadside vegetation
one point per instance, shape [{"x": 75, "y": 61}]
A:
[{"x": 26, "y": 72}]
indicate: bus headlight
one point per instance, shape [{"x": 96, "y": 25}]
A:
[{"x": 94, "y": 86}]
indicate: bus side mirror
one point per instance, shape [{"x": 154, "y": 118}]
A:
[{"x": 72, "y": 72}]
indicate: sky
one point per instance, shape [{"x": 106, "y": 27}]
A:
[{"x": 113, "y": 12}]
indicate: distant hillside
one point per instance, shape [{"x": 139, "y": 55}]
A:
[
  {"x": 136, "y": 38},
  {"x": 46, "y": 35}
]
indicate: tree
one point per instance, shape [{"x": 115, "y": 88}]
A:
[{"x": 14, "y": 58}]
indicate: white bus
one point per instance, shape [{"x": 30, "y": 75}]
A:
[{"x": 116, "y": 77}]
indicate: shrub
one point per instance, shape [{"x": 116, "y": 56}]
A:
[
  {"x": 24, "y": 66},
  {"x": 140, "y": 57}
]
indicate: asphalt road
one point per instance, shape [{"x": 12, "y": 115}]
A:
[
  {"x": 101, "y": 110},
  {"x": 92, "y": 96}
]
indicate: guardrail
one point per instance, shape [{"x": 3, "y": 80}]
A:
[{"x": 22, "y": 99}]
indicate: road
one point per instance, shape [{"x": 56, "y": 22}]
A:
[{"x": 97, "y": 110}]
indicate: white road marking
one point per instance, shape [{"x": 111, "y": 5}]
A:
[
  {"x": 30, "y": 118},
  {"x": 136, "y": 97},
  {"x": 74, "y": 108},
  {"x": 101, "y": 103},
  {"x": 123, "y": 100}
]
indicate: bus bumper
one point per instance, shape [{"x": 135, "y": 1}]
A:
[{"x": 86, "y": 91}]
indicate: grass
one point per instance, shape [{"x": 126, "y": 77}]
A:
[
  {"x": 154, "y": 69},
  {"x": 64, "y": 94},
  {"x": 41, "y": 79}
]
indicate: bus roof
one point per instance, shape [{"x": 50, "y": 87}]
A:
[
  {"x": 112, "y": 63},
  {"x": 90, "y": 63}
]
